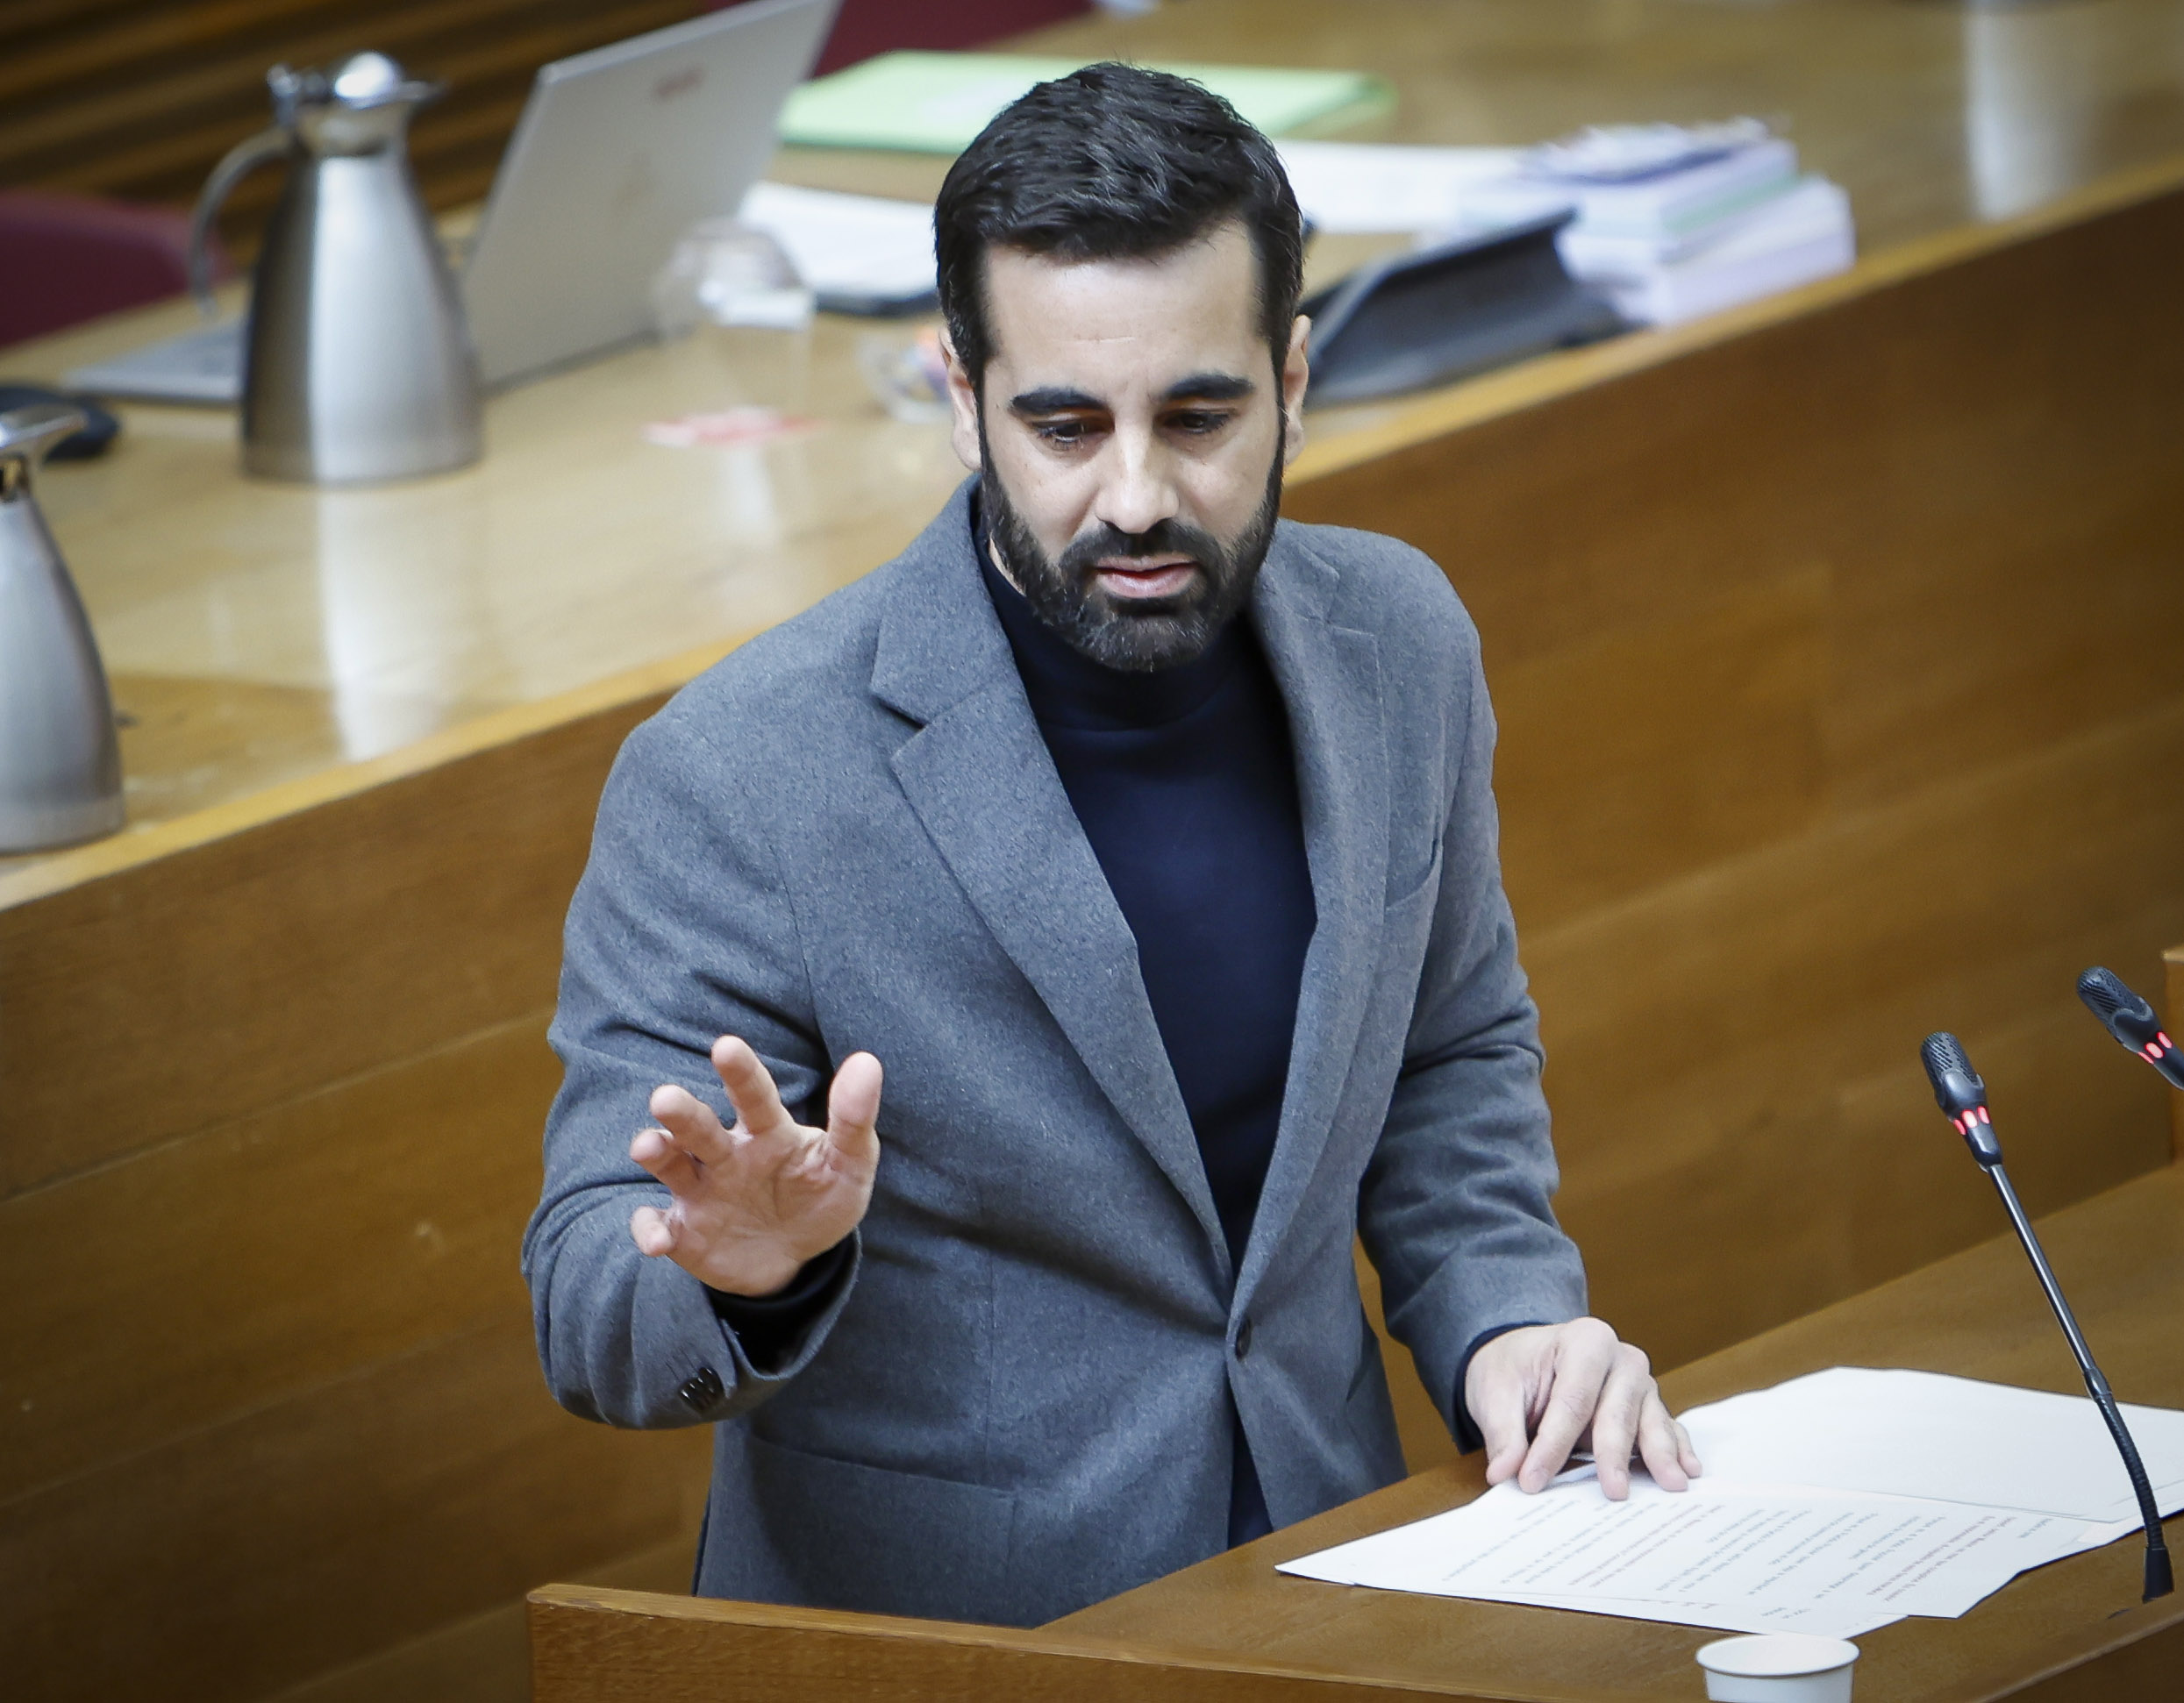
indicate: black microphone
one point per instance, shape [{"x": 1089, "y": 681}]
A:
[
  {"x": 1960, "y": 1094},
  {"x": 2131, "y": 1021}
]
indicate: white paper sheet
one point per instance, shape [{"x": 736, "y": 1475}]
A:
[
  {"x": 1747, "y": 1559},
  {"x": 847, "y": 246},
  {"x": 1949, "y": 1439},
  {"x": 1351, "y": 188},
  {"x": 1831, "y": 1504}
]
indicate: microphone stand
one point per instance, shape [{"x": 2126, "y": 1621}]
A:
[
  {"x": 1963, "y": 1096},
  {"x": 2159, "y": 1580}
]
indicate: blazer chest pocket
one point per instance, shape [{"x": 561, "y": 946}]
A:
[
  {"x": 1406, "y": 926},
  {"x": 1416, "y": 890},
  {"x": 1405, "y": 879}
]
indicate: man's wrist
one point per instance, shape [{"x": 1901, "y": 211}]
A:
[
  {"x": 804, "y": 1283},
  {"x": 764, "y": 1281}
]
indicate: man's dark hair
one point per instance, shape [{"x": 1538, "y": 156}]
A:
[{"x": 1113, "y": 162}]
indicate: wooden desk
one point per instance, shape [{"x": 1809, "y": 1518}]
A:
[
  {"x": 1829, "y": 693},
  {"x": 1232, "y": 1628}
]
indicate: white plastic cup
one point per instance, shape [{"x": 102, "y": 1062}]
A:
[{"x": 1779, "y": 1667}]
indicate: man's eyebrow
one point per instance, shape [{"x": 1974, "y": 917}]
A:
[
  {"x": 1055, "y": 399},
  {"x": 1211, "y": 388},
  {"x": 1199, "y": 386}
]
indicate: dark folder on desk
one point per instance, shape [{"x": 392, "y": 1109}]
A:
[{"x": 1426, "y": 317}]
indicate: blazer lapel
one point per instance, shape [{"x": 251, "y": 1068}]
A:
[
  {"x": 1330, "y": 680},
  {"x": 979, "y": 776}
]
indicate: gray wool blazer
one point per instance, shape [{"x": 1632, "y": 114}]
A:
[{"x": 849, "y": 835}]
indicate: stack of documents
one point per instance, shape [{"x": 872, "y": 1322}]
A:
[
  {"x": 1832, "y": 1505},
  {"x": 1673, "y": 223},
  {"x": 1668, "y": 223}
]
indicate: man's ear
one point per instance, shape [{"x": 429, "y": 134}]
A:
[
  {"x": 1296, "y": 374},
  {"x": 962, "y": 407}
]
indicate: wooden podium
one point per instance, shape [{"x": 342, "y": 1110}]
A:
[{"x": 1231, "y": 1627}]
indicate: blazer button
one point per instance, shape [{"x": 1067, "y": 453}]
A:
[
  {"x": 1244, "y": 1338},
  {"x": 702, "y": 1389}
]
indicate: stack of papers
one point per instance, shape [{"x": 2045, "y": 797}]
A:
[
  {"x": 1920, "y": 1434},
  {"x": 1832, "y": 1504},
  {"x": 1666, "y": 235}
]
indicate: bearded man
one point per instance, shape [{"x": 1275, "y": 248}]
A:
[{"x": 1147, "y": 842}]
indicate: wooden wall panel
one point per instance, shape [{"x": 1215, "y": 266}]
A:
[
  {"x": 239, "y": 1560},
  {"x": 261, "y": 965},
  {"x": 1749, "y": 1037},
  {"x": 1834, "y": 711},
  {"x": 139, "y": 98},
  {"x": 487, "y": 1658},
  {"x": 1635, "y": 755},
  {"x": 250, "y": 1262}
]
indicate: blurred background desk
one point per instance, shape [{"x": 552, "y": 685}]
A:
[{"x": 1838, "y": 704}]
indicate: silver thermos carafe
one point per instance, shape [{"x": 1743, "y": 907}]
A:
[
  {"x": 357, "y": 364},
  {"x": 60, "y": 764}
]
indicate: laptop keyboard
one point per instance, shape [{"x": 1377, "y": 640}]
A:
[{"x": 204, "y": 366}]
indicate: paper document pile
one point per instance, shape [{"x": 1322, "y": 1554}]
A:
[
  {"x": 1832, "y": 1504},
  {"x": 1671, "y": 221}
]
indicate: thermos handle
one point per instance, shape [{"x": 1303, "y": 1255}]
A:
[{"x": 239, "y": 162}]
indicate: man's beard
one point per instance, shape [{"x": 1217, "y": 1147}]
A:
[{"x": 1139, "y": 635}]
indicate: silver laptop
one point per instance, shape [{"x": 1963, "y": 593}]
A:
[{"x": 618, "y": 151}]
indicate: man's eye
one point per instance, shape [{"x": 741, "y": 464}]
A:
[
  {"x": 1062, "y": 431},
  {"x": 1199, "y": 421}
]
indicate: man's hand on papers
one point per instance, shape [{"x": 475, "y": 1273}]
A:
[
  {"x": 752, "y": 1203},
  {"x": 1539, "y": 1392}
]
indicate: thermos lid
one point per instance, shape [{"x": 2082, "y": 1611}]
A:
[{"x": 362, "y": 82}]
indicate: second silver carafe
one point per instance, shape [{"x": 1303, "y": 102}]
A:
[{"x": 357, "y": 367}]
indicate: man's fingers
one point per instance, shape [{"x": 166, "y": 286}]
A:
[
  {"x": 853, "y": 1107},
  {"x": 652, "y": 1231},
  {"x": 1581, "y": 1363},
  {"x": 659, "y": 1153},
  {"x": 1497, "y": 1408},
  {"x": 1661, "y": 1443},
  {"x": 751, "y": 1089},
  {"x": 1686, "y": 1456},
  {"x": 1617, "y": 1418},
  {"x": 690, "y": 1122}
]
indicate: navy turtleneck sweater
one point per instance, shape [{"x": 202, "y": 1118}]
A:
[{"x": 1185, "y": 783}]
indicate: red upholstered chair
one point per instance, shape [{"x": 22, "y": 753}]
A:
[
  {"x": 65, "y": 259},
  {"x": 867, "y": 27}
]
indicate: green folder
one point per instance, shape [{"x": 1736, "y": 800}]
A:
[{"x": 937, "y": 103}]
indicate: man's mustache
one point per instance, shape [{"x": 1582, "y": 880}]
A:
[{"x": 1166, "y": 537}]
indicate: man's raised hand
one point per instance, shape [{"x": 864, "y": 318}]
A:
[
  {"x": 752, "y": 1203},
  {"x": 1539, "y": 1392}
]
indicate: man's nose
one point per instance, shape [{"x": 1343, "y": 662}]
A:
[{"x": 1140, "y": 491}]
